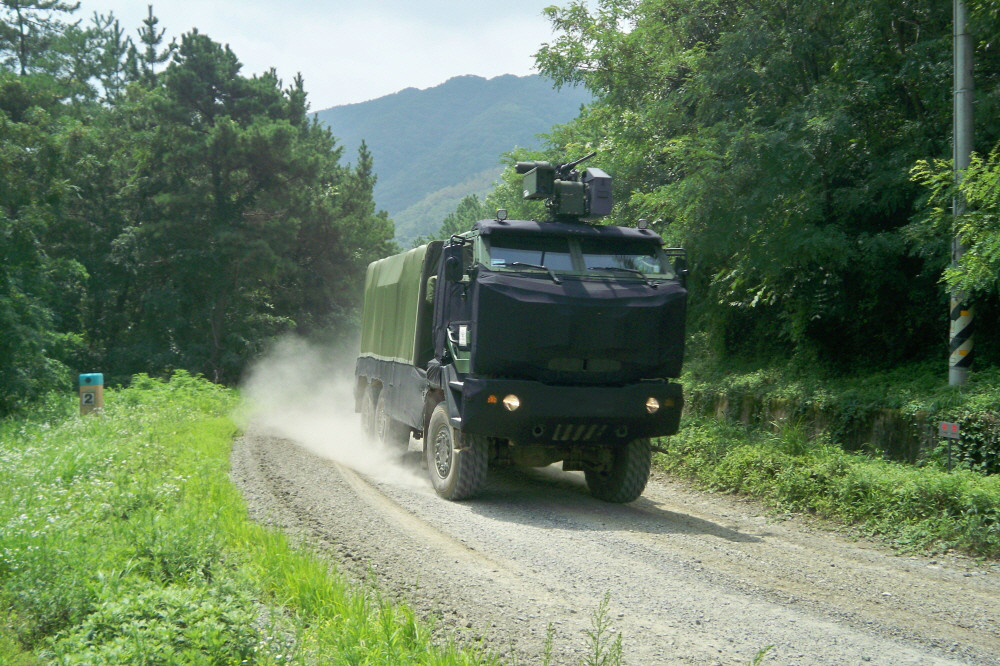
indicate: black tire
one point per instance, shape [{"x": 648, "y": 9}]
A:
[
  {"x": 388, "y": 430},
  {"x": 457, "y": 469},
  {"x": 368, "y": 413},
  {"x": 627, "y": 477}
]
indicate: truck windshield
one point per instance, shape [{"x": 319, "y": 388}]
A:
[
  {"x": 624, "y": 256},
  {"x": 549, "y": 251}
]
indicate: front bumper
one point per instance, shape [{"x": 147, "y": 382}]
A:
[{"x": 569, "y": 414}]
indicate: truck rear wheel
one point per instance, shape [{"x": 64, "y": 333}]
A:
[
  {"x": 388, "y": 430},
  {"x": 457, "y": 469},
  {"x": 625, "y": 480},
  {"x": 368, "y": 413}
]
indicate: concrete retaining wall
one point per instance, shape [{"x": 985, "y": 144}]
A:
[{"x": 896, "y": 435}]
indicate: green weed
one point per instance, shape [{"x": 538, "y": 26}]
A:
[
  {"x": 913, "y": 507},
  {"x": 122, "y": 540},
  {"x": 758, "y": 658},
  {"x": 604, "y": 650}
]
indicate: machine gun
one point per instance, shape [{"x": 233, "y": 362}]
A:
[{"x": 569, "y": 195}]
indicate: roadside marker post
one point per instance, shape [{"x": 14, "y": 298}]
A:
[
  {"x": 91, "y": 392},
  {"x": 949, "y": 431}
]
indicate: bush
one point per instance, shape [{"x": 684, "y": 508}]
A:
[
  {"x": 913, "y": 507},
  {"x": 151, "y": 624}
]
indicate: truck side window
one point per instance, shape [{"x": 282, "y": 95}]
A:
[{"x": 549, "y": 251}]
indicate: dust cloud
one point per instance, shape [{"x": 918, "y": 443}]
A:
[{"x": 305, "y": 393}]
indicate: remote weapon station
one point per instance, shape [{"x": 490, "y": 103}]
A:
[{"x": 529, "y": 343}]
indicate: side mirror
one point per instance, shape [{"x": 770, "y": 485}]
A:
[
  {"x": 453, "y": 267},
  {"x": 681, "y": 269}
]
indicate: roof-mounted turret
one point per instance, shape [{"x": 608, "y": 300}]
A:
[{"x": 569, "y": 195}]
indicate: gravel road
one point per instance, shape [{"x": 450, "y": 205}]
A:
[{"x": 691, "y": 577}]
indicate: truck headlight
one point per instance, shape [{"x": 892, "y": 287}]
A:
[
  {"x": 511, "y": 402},
  {"x": 652, "y": 405}
]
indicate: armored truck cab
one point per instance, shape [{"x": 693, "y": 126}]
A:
[{"x": 529, "y": 343}]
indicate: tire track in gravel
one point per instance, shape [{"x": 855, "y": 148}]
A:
[{"x": 691, "y": 577}]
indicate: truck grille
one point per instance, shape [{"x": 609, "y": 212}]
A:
[{"x": 570, "y": 432}]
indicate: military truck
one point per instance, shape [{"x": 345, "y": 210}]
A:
[{"x": 528, "y": 342}]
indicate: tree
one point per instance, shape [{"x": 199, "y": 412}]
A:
[
  {"x": 113, "y": 51},
  {"x": 28, "y": 29},
  {"x": 179, "y": 223},
  {"x": 242, "y": 223},
  {"x": 33, "y": 188},
  {"x": 775, "y": 140},
  {"x": 143, "y": 64},
  {"x": 978, "y": 270},
  {"x": 470, "y": 210}
]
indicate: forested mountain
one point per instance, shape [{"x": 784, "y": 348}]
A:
[
  {"x": 799, "y": 151},
  {"x": 432, "y": 147},
  {"x": 159, "y": 210}
]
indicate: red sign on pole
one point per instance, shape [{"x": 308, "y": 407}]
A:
[{"x": 949, "y": 430}]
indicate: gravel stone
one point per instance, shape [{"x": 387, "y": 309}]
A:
[{"x": 691, "y": 577}]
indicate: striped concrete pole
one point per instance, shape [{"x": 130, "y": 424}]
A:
[
  {"x": 960, "y": 332},
  {"x": 961, "y": 351}
]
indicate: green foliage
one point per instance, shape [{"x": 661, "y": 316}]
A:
[
  {"x": 85, "y": 502},
  {"x": 775, "y": 141},
  {"x": 818, "y": 411},
  {"x": 122, "y": 540},
  {"x": 979, "y": 228},
  {"x": 142, "y": 64},
  {"x": 798, "y": 463},
  {"x": 603, "y": 650},
  {"x": 462, "y": 219},
  {"x": 28, "y": 31},
  {"x": 153, "y": 624},
  {"x": 233, "y": 233},
  {"x": 761, "y": 654},
  {"x": 915, "y": 508},
  {"x": 32, "y": 282},
  {"x": 426, "y": 215},
  {"x": 153, "y": 220}
]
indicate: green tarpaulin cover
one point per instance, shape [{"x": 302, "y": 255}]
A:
[{"x": 392, "y": 305}]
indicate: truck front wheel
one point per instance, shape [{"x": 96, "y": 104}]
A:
[
  {"x": 626, "y": 478},
  {"x": 457, "y": 468}
]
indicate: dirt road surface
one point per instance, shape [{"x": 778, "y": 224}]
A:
[{"x": 691, "y": 577}]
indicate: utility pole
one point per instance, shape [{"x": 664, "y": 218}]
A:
[{"x": 960, "y": 359}]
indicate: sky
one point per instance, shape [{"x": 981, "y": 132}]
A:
[{"x": 357, "y": 50}]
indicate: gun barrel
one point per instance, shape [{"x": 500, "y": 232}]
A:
[{"x": 582, "y": 159}]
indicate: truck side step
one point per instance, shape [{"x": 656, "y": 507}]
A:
[{"x": 455, "y": 385}]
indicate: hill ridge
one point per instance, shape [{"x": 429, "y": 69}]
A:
[{"x": 424, "y": 141}]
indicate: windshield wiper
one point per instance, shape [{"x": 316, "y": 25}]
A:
[
  {"x": 537, "y": 267},
  {"x": 627, "y": 270}
]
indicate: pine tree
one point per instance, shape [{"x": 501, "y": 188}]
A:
[
  {"x": 143, "y": 64},
  {"x": 27, "y": 29}
]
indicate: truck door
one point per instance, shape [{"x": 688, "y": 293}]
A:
[{"x": 451, "y": 302}]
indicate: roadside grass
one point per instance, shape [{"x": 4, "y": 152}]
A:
[
  {"x": 122, "y": 540},
  {"x": 915, "y": 508}
]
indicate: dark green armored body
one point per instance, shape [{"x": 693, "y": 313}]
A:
[{"x": 529, "y": 343}]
